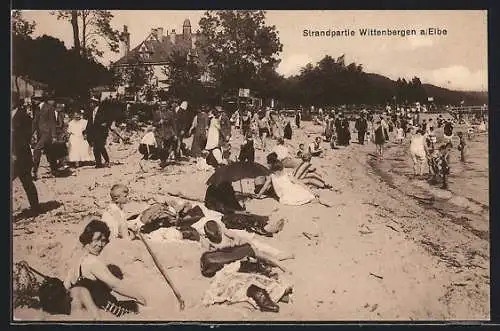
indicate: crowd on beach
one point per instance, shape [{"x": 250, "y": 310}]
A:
[{"x": 241, "y": 266}]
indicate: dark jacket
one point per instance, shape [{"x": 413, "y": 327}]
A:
[
  {"x": 21, "y": 138},
  {"x": 45, "y": 123},
  {"x": 167, "y": 129},
  {"x": 98, "y": 128},
  {"x": 361, "y": 124}
]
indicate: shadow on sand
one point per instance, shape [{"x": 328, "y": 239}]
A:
[{"x": 44, "y": 206}]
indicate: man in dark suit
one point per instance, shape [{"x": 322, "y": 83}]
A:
[
  {"x": 97, "y": 132},
  {"x": 165, "y": 133},
  {"x": 361, "y": 125},
  {"x": 44, "y": 126},
  {"x": 22, "y": 160}
]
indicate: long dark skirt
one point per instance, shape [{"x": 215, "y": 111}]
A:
[{"x": 198, "y": 145}]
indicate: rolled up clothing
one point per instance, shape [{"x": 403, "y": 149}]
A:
[{"x": 211, "y": 262}]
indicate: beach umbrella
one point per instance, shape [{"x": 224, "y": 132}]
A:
[{"x": 237, "y": 171}]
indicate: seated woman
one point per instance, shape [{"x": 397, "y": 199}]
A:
[
  {"x": 282, "y": 153},
  {"x": 91, "y": 282},
  {"x": 288, "y": 191},
  {"x": 315, "y": 147}
]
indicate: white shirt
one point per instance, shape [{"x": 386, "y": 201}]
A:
[
  {"x": 314, "y": 148},
  {"x": 281, "y": 151},
  {"x": 94, "y": 113},
  {"x": 115, "y": 218},
  {"x": 149, "y": 139},
  {"x": 217, "y": 153}
]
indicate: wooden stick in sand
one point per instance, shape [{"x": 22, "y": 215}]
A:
[{"x": 163, "y": 272}]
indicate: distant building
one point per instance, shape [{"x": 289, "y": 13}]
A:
[{"x": 156, "y": 49}]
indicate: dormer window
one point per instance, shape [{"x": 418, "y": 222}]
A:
[{"x": 144, "y": 52}]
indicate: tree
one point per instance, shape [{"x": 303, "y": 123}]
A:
[
  {"x": 184, "y": 74},
  {"x": 238, "y": 46},
  {"x": 47, "y": 60},
  {"x": 137, "y": 76},
  {"x": 95, "y": 27},
  {"x": 21, "y": 32},
  {"x": 20, "y": 26}
]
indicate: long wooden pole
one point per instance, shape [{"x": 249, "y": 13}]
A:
[{"x": 163, "y": 272}]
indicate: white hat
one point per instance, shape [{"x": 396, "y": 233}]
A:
[
  {"x": 184, "y": 105},
  {"x": 94, "y": 99}
]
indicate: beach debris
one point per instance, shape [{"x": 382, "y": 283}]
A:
[
  {"x": 392, "y": 228},
  {"x": 376, "y": 276},
  {"x": 375, "y": 306},
  {"x": 309, "y": 236},
  {"x": 365, "y": 229}
]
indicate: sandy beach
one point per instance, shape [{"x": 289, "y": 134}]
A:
[{"x": 389, "y": 248}]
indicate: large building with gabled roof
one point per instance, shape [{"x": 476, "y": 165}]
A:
[{"x": 156, "y": 48}]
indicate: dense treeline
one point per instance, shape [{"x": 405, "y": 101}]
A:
[
  {"x": 331, "y": 82},
  {"x": 47, "y": 60}
]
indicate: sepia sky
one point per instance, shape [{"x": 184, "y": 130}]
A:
[{"x": 457, "y": 61}]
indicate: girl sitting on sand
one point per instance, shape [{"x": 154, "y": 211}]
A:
[
  {"x": 288, "y": 191},
  {"x": 92, "y": 276}
]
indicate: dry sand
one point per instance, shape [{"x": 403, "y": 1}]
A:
[{"x": 378, "y": 253}]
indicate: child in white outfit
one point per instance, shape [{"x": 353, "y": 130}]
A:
[{"x": 113, "y": 215}]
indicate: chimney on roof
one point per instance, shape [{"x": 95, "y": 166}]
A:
[
  {"x": 172, "y": 36},
  {"x": 154, "y": 32},
  {"x": 159, "y": 33},
  {"x": 124, "y": 41}
]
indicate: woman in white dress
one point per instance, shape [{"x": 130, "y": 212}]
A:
[
  {"x": 79, "y": 148},
  {"x": 289, "y": 192}
]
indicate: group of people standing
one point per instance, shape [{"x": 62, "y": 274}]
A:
[{"x": 41, "y": 127}]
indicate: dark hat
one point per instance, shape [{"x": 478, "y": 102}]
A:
[{"x": 213, "y": 231}]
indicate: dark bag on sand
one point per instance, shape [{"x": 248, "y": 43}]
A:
[
  {"x": 249, "y": 222},
  {"x": 191, "y": 216},
  {"x": 211, "y": 262},
  {"x": 53, "y": 296}
]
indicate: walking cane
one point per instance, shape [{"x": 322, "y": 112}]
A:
[{"x": 163, "y": 272}]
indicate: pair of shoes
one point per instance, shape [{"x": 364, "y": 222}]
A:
[
  {"x": 262, "y": 299},
  {"x": 34, "y": 211}
]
